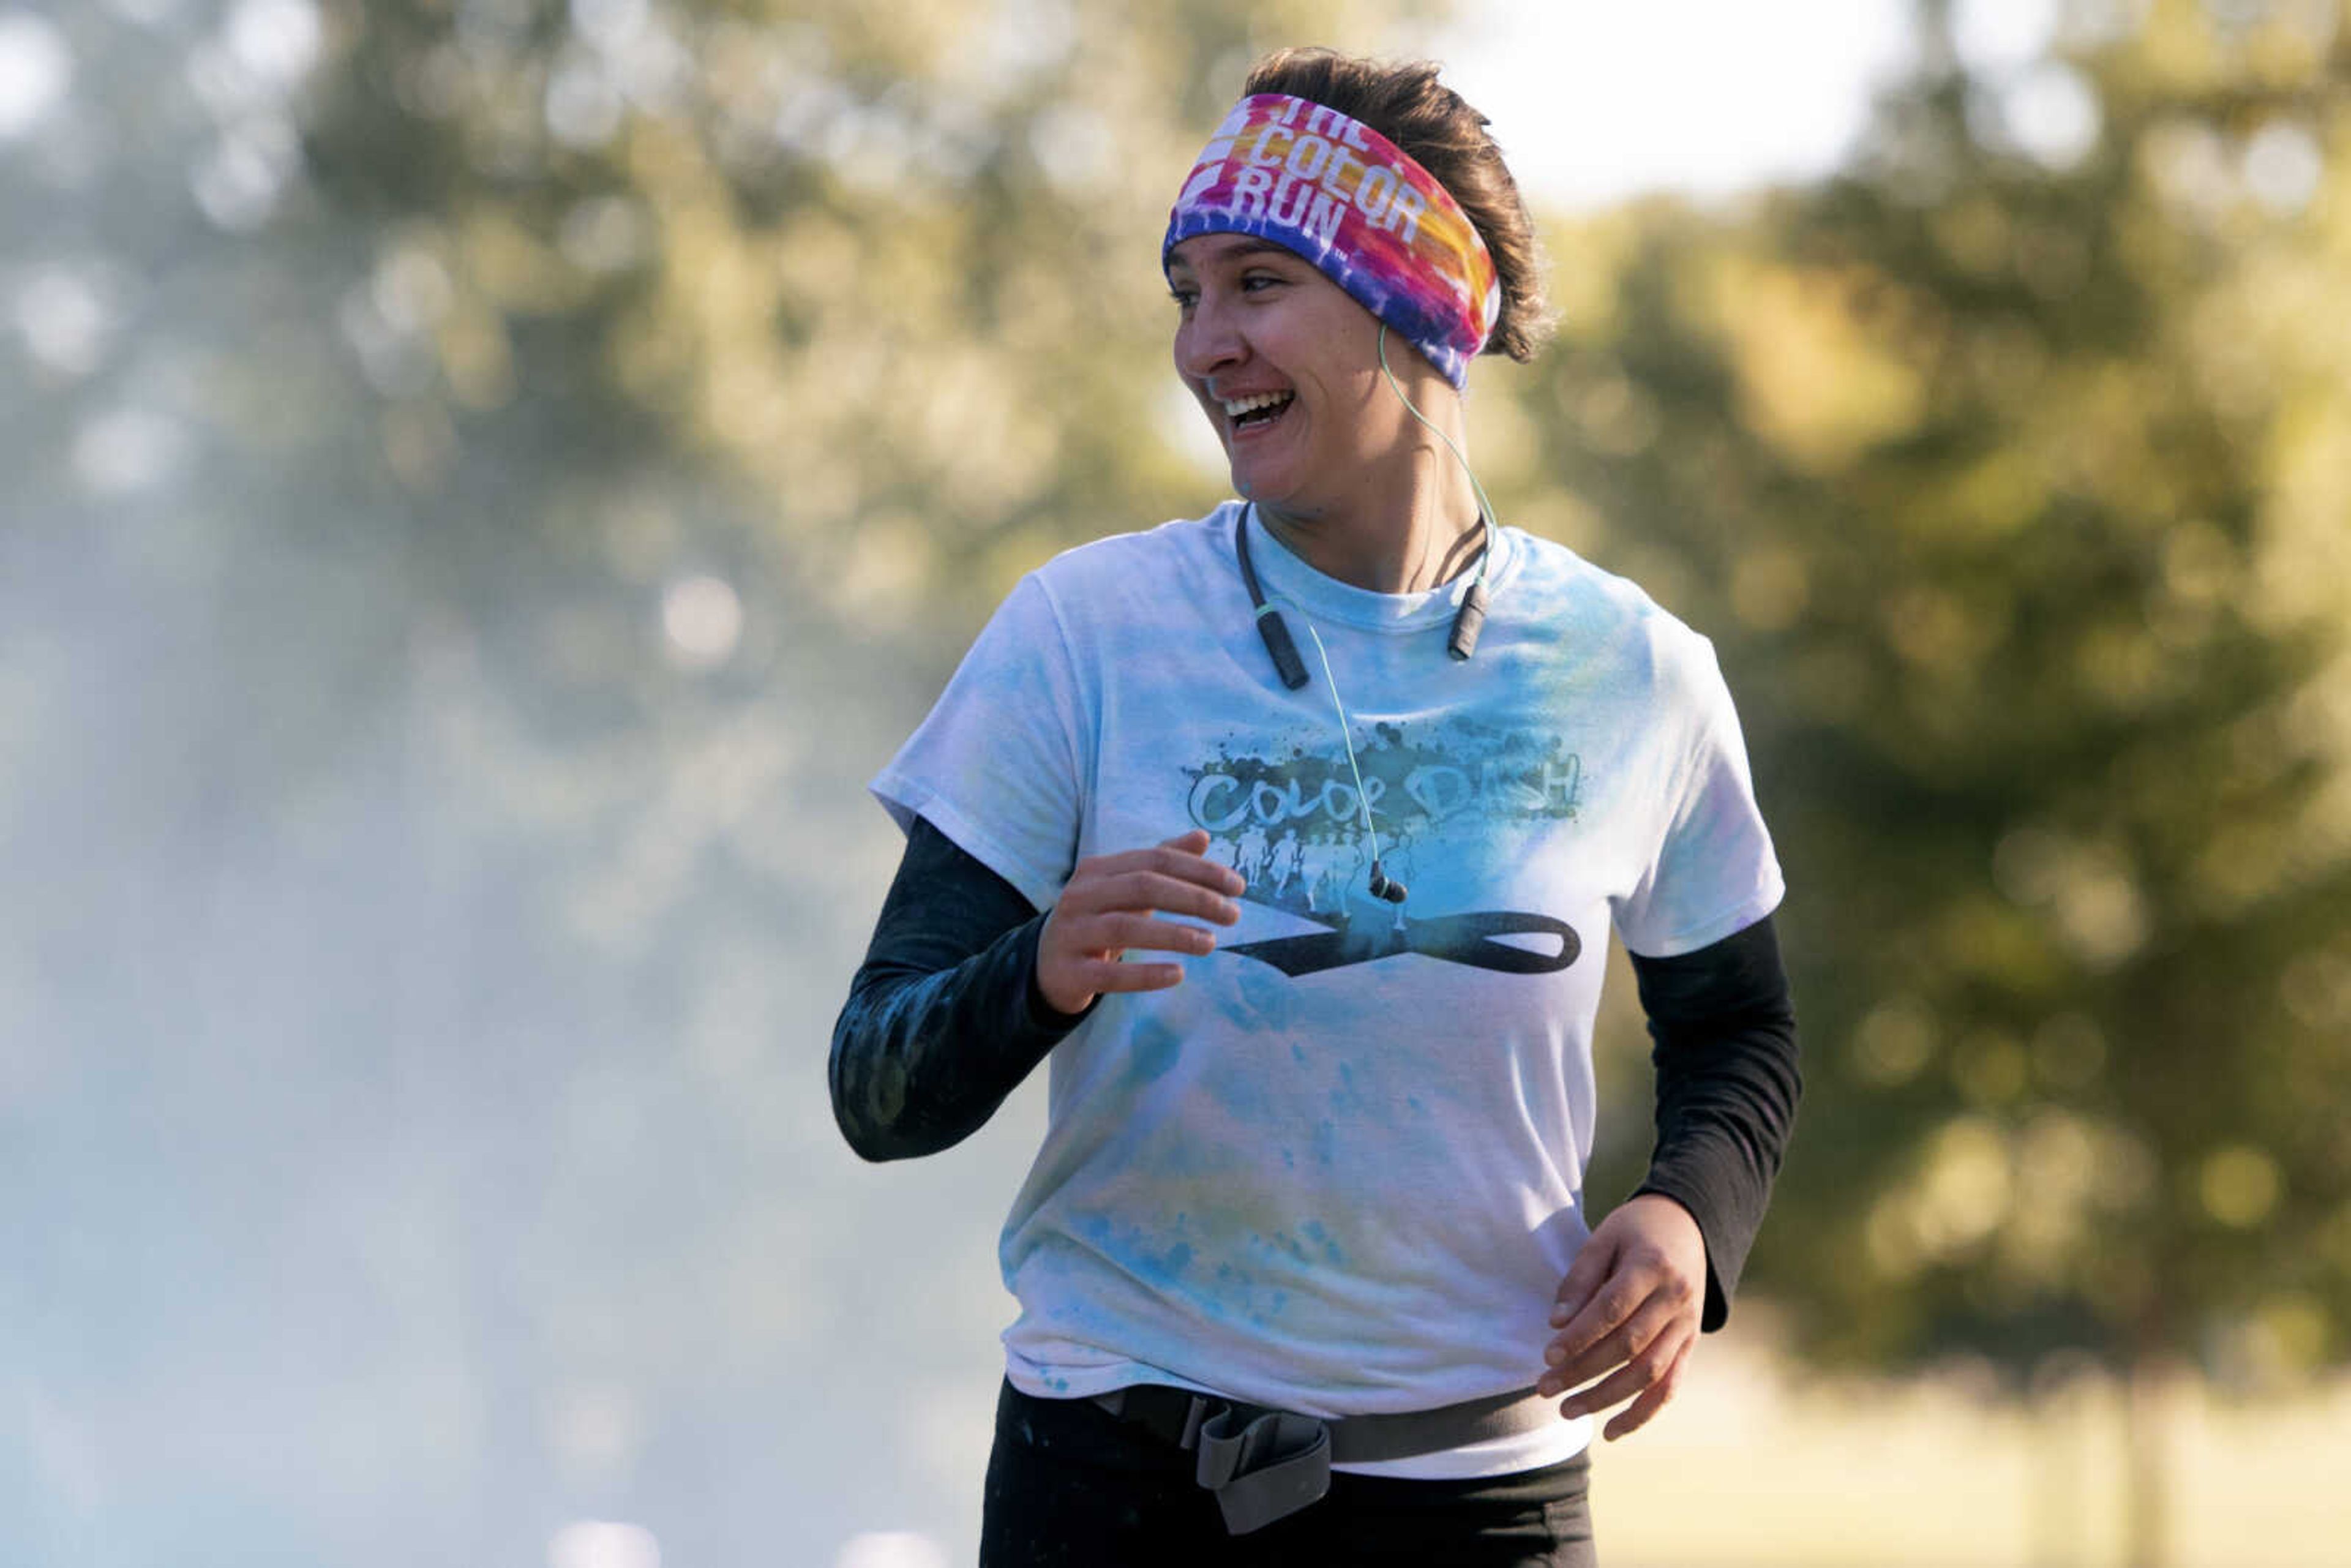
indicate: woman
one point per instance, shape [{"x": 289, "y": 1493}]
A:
[{"x": 1288, "y": 834}]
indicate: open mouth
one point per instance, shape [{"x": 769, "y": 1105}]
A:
[{"x": 1253, "y": 413}]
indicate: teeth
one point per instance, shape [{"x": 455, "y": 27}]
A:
[{"x": 1235, "y": 407}]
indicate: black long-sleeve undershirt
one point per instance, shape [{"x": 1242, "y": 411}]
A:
[
  {"x": 1724, "y": 1045},
  {"x": 945, "y": 1020}
]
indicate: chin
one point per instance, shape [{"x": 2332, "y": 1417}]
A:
[
  {"x": 1286, "y": 499},
  {"x": 1260, "y": 495},
  {"x": 1265, "y": 487}
]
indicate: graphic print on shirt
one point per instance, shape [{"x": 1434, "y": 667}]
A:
[{"x": 1444, "y": 800}]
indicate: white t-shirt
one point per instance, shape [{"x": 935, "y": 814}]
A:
[{"x": 1338, "y": 1169}]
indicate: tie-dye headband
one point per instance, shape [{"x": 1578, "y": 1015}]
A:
[{"x": 1356, "y": 205}]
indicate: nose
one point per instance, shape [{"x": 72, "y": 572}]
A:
[{"x": 1208, "y": 338}]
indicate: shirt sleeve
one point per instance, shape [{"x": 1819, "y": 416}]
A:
[
  {"x": 1728, "y": 1083},
  {"x": 1000, "y": 764},
  {"x": 944, "y": 1018},
  {"x": 1715, "y": 871}
]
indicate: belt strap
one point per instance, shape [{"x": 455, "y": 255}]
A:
[{"x": 1264, "y": 1464}]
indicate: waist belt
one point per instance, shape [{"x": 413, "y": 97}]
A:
[{"x": 1264, "y": 1464}]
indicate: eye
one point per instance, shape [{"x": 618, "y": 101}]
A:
[
  {"x": 1184, "y": 298},
  {"x": 1256, "y": 282}
]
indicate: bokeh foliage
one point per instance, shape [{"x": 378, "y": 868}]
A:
[
  {"x": 2009, "y": 478},
  {"x": 892, "y": 263},
  {"x": 399, "y": 379}
]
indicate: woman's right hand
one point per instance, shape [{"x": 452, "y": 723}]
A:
[{"x": 1108, "y": 908}]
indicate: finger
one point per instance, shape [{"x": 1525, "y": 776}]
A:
[
  {"x": 1151, "y": 888},
  {"x": 1175, "y": 859},
  {"x": 1635, "y": 1416},
  {"x": 1122, "y": 931},
  {"x": 1613, "y": 1389},
  {"x": 1571, "y": 1366},
  {"x": 1609, "y": 1308},
  {"x": 1640, "y": 1373},
  {"x": 1638, "y": 1272},
  {"x": 1583, "y": 1276},
  {"x": 1100, "y": 976},
  {"x": 1630, "y": 1375},
  {"x": 1187, "y": 858}
]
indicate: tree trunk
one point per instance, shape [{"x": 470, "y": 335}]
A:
[
  {"x": 2056, "y": 1397},
  {"x": 2146, "y": 1459}
]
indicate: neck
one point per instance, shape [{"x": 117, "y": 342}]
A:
[{"x": 1391, "y": 532}]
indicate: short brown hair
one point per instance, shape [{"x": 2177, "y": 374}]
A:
[{"x": 1404, "y": 103}]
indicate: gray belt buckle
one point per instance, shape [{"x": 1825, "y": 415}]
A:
[{"x": 1262, "y": 1465}]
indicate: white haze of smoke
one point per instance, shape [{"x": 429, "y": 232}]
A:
[{"x": 35, "y": 72}]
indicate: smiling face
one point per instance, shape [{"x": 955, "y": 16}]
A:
[{"x": 1286, "y": 366}]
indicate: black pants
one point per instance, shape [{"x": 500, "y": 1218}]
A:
[{"x": 1072, "y": 1485}]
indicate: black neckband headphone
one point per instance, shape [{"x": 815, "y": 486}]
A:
[
  {"x": 1463, "y": 641},
  {"x": 1468, "y": 620}
]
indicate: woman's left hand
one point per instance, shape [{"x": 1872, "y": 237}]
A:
[{"x": 1629, "y": 1308}]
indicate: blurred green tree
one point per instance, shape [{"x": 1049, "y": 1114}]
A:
[
  {"x": 891, "y": 262},
  {"x": 2006, "y": 467},
  {"x": 447, "y": 440},
  {"x": 2009, "y": 469}
]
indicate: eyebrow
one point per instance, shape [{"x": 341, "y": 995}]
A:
[{"x": 1243, "y": 246}]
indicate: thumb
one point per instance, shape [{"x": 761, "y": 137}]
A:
[{"x": 1583, "y": 1276}]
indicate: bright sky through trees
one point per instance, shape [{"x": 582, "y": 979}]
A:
[
  {"x": 1585, "y": 102},
  {"x": 489, "y": 480}
]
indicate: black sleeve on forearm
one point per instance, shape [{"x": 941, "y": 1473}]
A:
[
  {"x": 943, "y": 1018},
  {"x": 1727, "y": 1089}
]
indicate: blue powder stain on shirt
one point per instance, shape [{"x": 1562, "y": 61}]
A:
[
  {"x": 1298, "y": 1053},
  {"x": 1270, "y": 994},
  {"x": 1153, "y": 1052},
  {"x": 1289, "y": 1161},
  {"x": 1331, "y": 1251},
  {"x": 1273, "y": 1309},
  {"x": 1129, "y": 1247},
  {"x": 1413, "y": 1101},
  {"x": 1346, "y": 1101},
  {"x": 1326, "y": 1143}
]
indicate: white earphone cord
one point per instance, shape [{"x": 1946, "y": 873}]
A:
[
  {"x": 1347, "y": 734},
  {"x": 1485, "y": 515},
  {"x": 1485, "y": 507}
]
